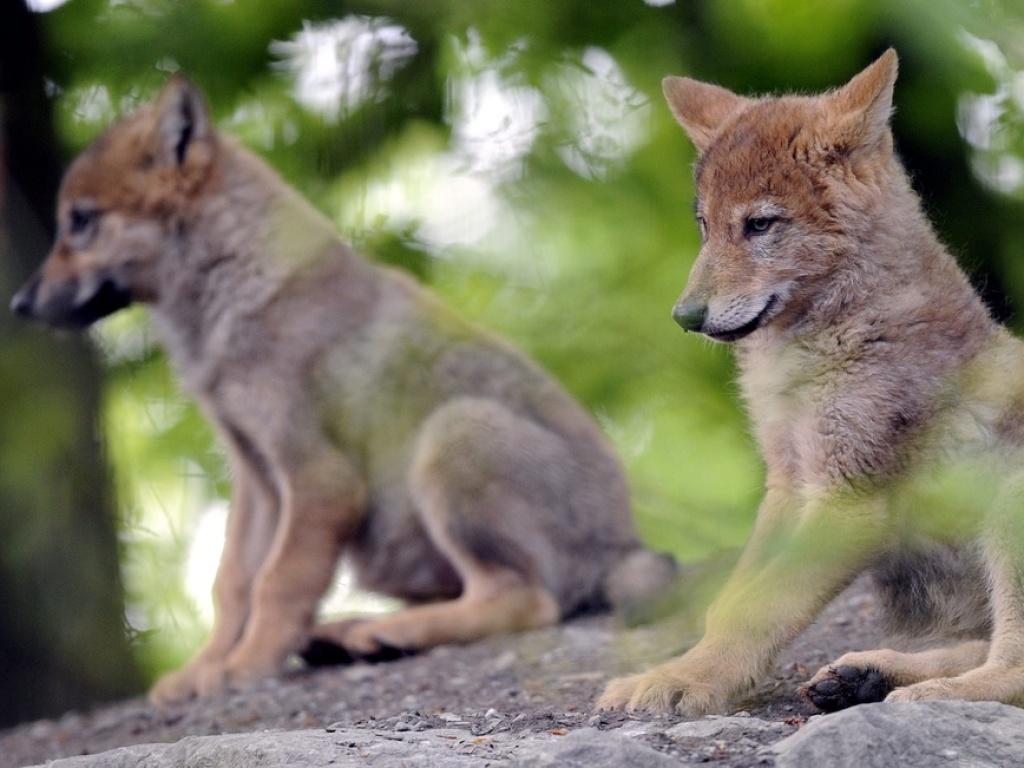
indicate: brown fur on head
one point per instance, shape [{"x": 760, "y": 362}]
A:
[
  {"x": 782, "y": 183},
  {"x": 116, "y": 203}
]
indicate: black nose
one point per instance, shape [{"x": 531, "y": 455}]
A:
[
  {"x": 690, "y": 314},
  {"x": 25, "y": 299}
]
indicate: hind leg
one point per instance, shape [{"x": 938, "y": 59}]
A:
[
  {"x": 866, "y": 676},
  {"x": 477, "y": 480},
  {"x": 497, "y": 603},
  {"x": 1001, "y": 676}
]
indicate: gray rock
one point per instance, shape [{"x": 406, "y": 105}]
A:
[
  {"x": 302, "y": 749},
  {"x": 440, "y": 748},
  {"x": 283, "y": 750},
  {"x": 728, "y": 728},
  {"x": 954, "y": 734},
  {"x": 590, "y": 748},
  {"x": 136, "y": 756},
  {"x": 920, "y": 735}
]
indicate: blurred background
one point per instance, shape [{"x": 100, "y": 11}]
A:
[{"x": 514, "y": 154}]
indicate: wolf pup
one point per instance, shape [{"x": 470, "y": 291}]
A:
[
  {"x": 888, "y": 406},
  {"x": 361, "y": 417}
]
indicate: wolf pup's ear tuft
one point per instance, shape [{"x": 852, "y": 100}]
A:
[
  {"x": 701, "y": 108},
  {"x": 183, "y": 129},
  {"x": 857, "y": 114}
]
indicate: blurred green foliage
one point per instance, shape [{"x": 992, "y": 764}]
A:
[{"x": 517, "y": 156}]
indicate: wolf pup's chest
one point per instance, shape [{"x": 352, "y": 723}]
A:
[{"x": 783, "y": 388}]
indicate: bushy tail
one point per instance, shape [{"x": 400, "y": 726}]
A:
[{"x": 639, "y": 581}]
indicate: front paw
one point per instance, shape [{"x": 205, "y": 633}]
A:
[
  {"x": 664, "y": 690},
  {"x": 197, "y": 678},
  {"x": 240, "y": 670},
  {"x": 172, "y": 688}
]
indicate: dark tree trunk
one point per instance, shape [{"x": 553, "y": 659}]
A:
[{"x": 62, "y": 631}]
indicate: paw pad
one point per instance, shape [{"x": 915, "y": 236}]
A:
[
  {"x": 324, "y": 653},
  {"x": 846, "y": 686}
]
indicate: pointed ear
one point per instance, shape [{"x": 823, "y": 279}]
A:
[
  {"x": 857, "y": 115},
  {"x": 182, "y": 122},
  {"x": 701, "y": 108}
]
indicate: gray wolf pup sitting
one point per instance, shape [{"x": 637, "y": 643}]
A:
[{"x": 361, "y": 416}]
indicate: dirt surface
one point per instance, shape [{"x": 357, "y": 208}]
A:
[{"x": 544, "y": 681}]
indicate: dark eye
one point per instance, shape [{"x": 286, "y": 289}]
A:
[
  {"x": 758, "y": 225},
  {"x": 82, "y": 219},
  {"x": 703, "y": 225}
]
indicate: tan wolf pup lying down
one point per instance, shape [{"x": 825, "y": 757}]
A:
[
  {"x": 361, "y": 417},
  {"x": 888, "y": 405}
]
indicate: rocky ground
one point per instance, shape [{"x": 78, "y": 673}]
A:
[{"x": 525, "y": 698}]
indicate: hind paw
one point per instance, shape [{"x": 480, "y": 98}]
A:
[
  {"x": 838, "y": 687},
  {"x": 352, "y": 640}
]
